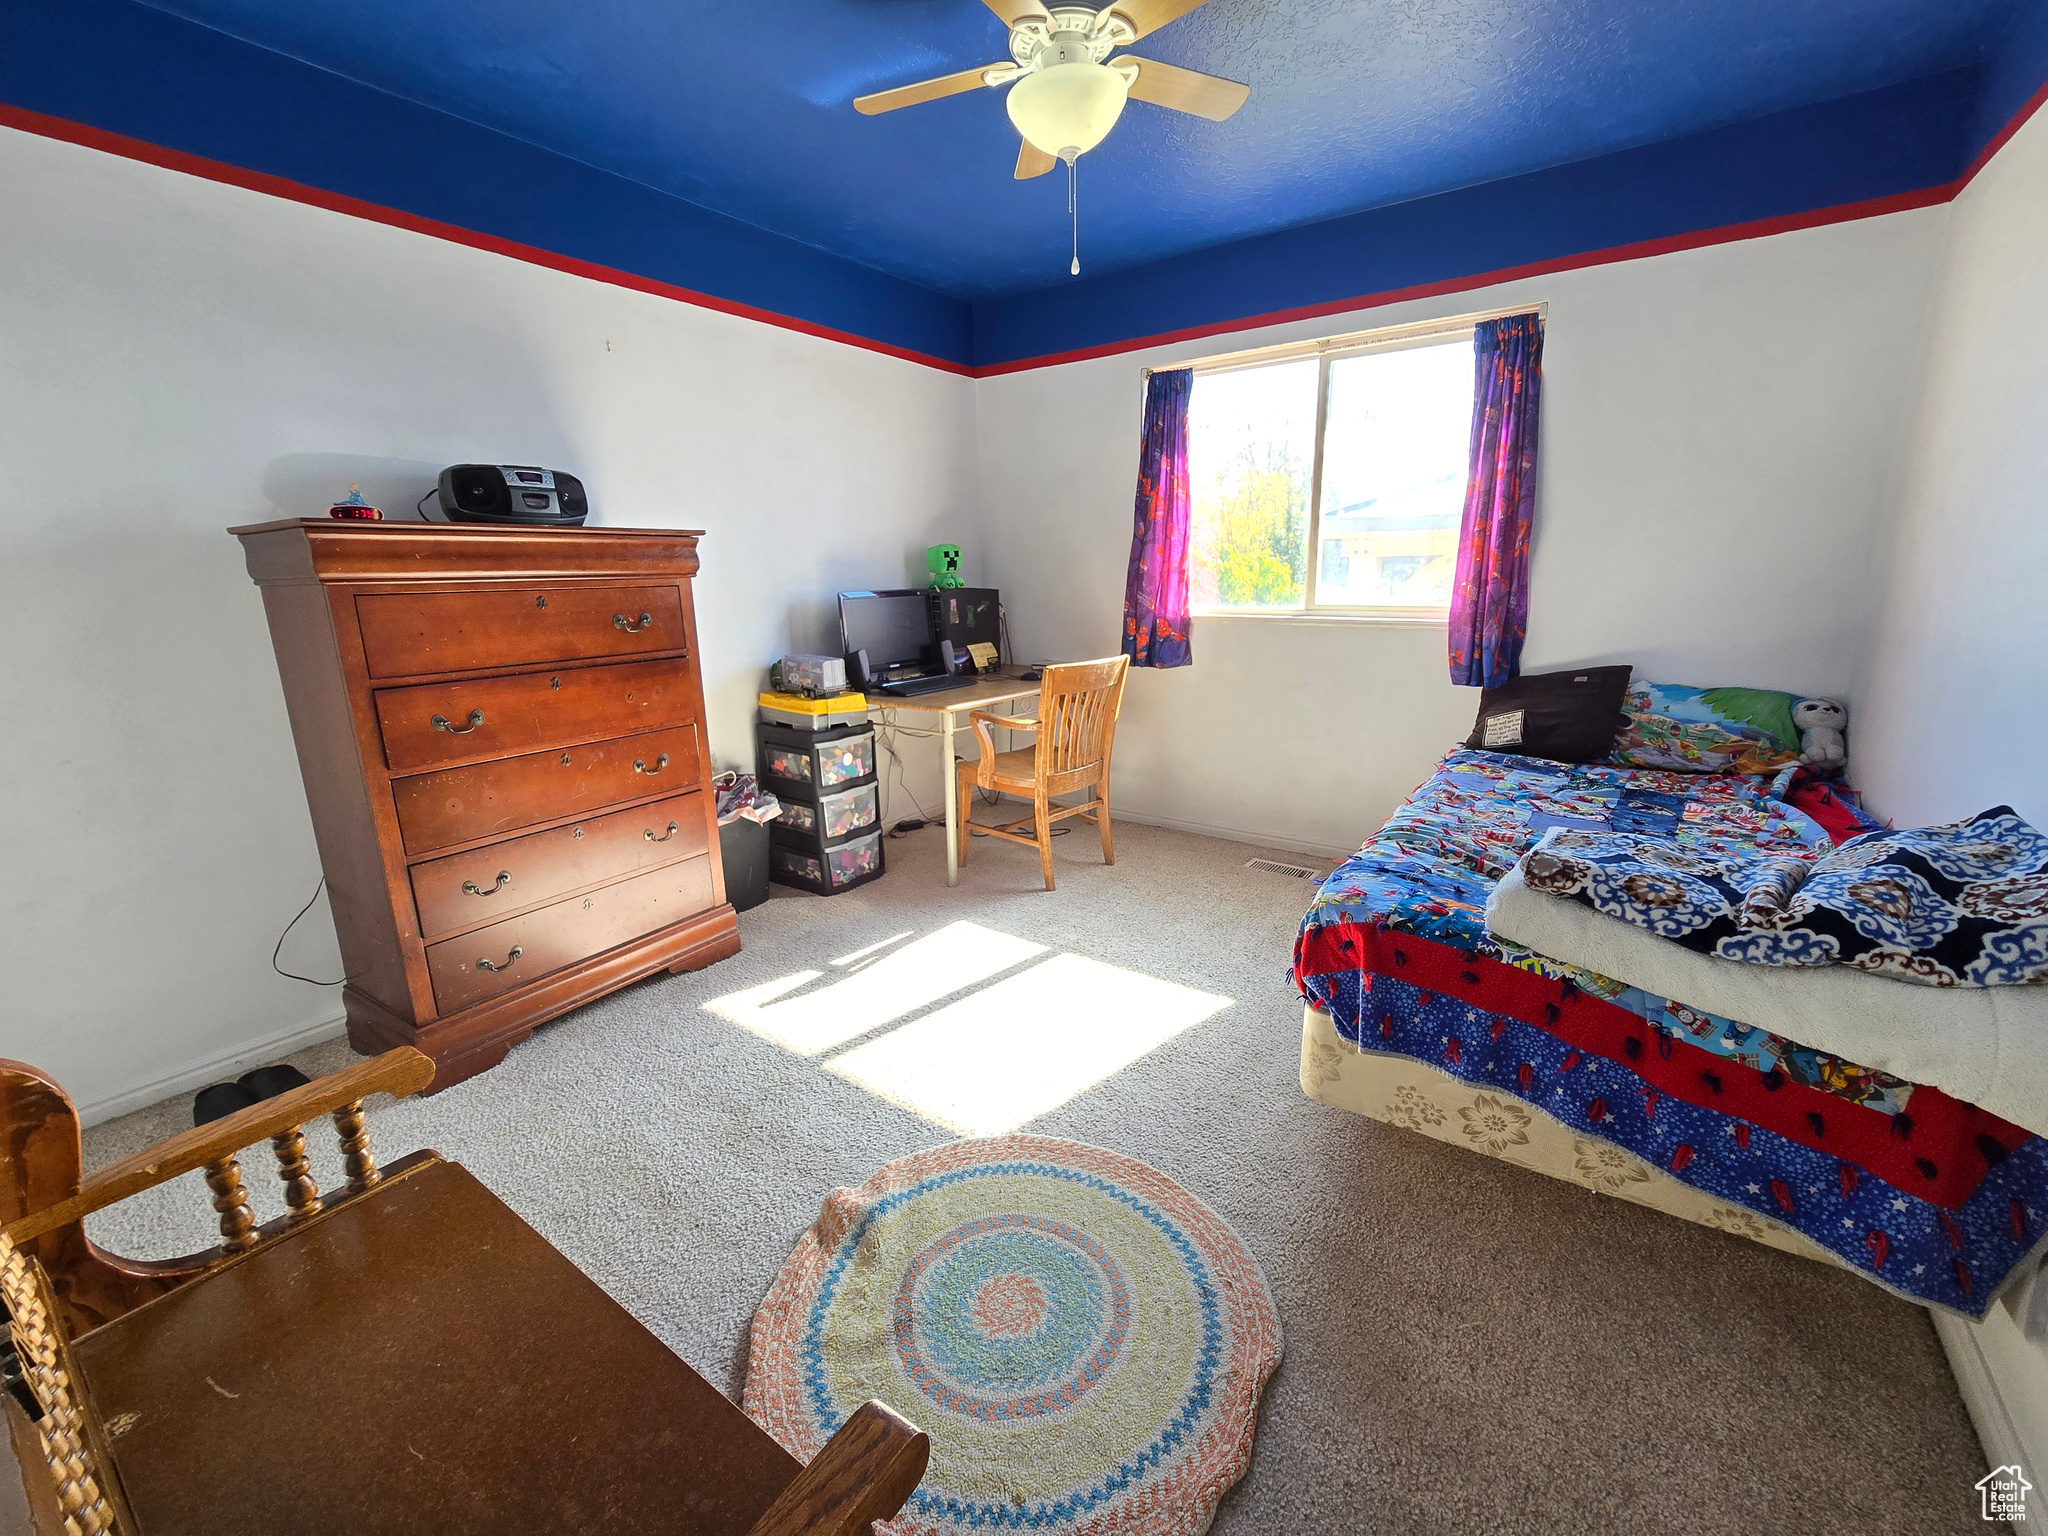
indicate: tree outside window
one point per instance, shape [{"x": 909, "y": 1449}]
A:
[{"x": 1357, "y": 453}]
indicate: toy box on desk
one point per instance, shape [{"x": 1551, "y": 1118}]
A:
[
  {"x": 805, "y": 714},
  {"x": 803, "y": 672},
  {"x": 829, "y": 836}
]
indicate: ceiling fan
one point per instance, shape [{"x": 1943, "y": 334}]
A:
[{"x": 1066, "y": 93}]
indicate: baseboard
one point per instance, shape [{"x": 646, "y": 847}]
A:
[
  {"x": 1996, "y": 1430},
  {"x": 191, "y": 1078},
  {"x": 1235, "y": 834}
]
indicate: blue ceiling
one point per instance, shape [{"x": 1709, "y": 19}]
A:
[
  {"x": 1355, "y": 104},
  {"x": 711, "y": 152}
]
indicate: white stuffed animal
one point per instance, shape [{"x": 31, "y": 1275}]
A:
[{"x": 1821, "y": 723}]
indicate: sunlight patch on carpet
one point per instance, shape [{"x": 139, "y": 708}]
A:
[
  {"x": 869, "y": 949},
  {"x": 808, "y": 1019},
  {"x": 1012, "y": 1051}
]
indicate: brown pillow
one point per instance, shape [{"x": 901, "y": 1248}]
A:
[{"x": 1568, "y": 717}]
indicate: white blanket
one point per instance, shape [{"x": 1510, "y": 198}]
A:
[{"x": 1984, "y": 1045}]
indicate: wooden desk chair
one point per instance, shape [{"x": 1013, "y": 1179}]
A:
[
  {"x": 407, "y": 1357},
  {"x": 1076, "y": 728}
]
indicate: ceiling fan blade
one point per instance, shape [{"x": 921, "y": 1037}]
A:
[
  {"x": 1150, "y": 15},
  {"x": 1032, "y": 161},
  {"x": 925, "y": 90},
  {"x": 1185, "y": 90},
  {"x": 1014, "y": 11}
]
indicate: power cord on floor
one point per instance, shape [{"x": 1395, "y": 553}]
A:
[
  {"x": 288, "y": 927},
  {"x": 885, "y": 741}
]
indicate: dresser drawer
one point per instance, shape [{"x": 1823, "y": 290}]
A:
[
  {"x": 520, "y": 949},
  {"x": 498, "y": 716},
  {"x": 406, "y": 634},
  {"x": 461, "y": 805},
  {"x": 465, "y": 889}
]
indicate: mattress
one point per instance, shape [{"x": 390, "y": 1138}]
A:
[{"x": 1926, "y": 1195}]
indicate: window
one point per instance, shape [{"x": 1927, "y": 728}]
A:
[{"x": 1352, "y": 451}]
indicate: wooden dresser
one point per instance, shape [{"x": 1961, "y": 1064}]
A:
[{"x": 501, "y": 733}]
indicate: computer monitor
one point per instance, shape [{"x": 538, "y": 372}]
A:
[{"x": 894, "y": 628}]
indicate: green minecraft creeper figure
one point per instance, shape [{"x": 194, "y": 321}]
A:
[{"x": 943, "y": 561}]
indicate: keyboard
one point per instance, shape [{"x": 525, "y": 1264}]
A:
[{"x": 915, "y": 685}]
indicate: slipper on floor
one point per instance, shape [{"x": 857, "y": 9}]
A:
[
  {"x": 269, "y": 1082},
  {"x": 220, "y": 1100}
]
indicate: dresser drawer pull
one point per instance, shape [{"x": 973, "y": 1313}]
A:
[
  {"x": 471, "y": 888},
  {"x": 476, "y": 718},
  {"x": 648, "y": 833},
  {"x": 485, "y": 965},
  {"x": 620, "y": 621},
  {"x": 660, "y": 763}
]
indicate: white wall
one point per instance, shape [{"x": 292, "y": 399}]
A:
[
  {"x": 1722, "y": 431},
  {"x": 1954, "y": 715},
  {"x": 177, "y": 356},
  {"x": 1951, "y": 717},
  {"x": 1721, "y": 434}
]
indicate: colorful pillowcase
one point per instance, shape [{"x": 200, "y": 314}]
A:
[{"x": 1707, "y": 730}]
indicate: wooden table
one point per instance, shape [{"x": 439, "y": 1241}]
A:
[
  {"x": 417, "y": 1361},
  {"x": 952, "y": 705}
]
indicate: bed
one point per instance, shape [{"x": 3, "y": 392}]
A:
[{"x": 1418, "y": 1016}]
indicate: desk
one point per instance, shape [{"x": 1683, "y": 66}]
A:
[
  {"x": 952, "y": 705},
  {"x": 418, "y": 1362}
]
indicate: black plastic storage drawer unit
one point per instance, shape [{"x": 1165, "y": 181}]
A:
[{"x": 829, "y": 836}]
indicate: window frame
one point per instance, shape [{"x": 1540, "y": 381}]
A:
[{"x": 1326, "y": 350}]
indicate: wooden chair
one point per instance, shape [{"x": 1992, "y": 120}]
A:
[
  {"x": 408, "y": 1356},
  {"x": 1076, "y": 728}
]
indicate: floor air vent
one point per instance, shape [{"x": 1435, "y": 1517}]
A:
[{"x": 1292, "y": 871}]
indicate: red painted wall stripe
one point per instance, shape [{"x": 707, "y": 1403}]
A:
[
  {"x": 1843, "y": 213},
  {"x": 278, "y": 186},
  {"x": 1726, "y": 234},
  {"x": 2004, "y": 136},
  {"x": 335, "y": 202}
]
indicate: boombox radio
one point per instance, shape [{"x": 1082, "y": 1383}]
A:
[{"x": 509, "y": 493}]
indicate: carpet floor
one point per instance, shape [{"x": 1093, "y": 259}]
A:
[{"x": 1469, "y": 1347}]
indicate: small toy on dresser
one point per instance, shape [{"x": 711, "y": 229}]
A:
[
  {"x": 1821, "y": 723},
  {"x": 355, "y": 509}
]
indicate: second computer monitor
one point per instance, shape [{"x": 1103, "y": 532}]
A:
[{"x": 894, "y": 628}]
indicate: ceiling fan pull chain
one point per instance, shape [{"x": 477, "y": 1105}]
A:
[{"x": 1074, "y": 210}]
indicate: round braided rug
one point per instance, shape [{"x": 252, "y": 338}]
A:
[{"x": 1084, "y": 1341}]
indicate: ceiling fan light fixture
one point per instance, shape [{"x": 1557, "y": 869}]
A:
[{"x": 1068, "y": 107}]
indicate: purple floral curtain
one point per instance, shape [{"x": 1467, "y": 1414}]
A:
[
  {"x": 1156, "y": 586},
  {"x": 1490, "y": 596}
]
